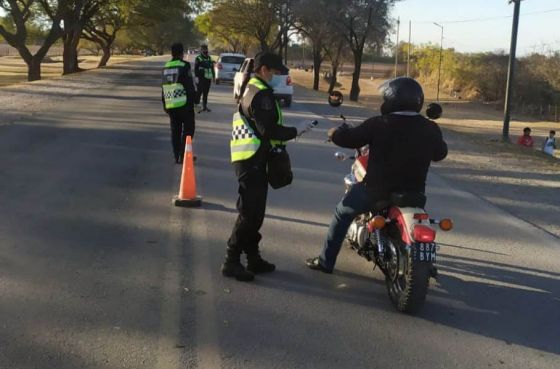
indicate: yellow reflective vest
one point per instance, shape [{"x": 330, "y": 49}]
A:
[
  {"x": 174, "y": 93},
  {"x": 244, "y": 142}
]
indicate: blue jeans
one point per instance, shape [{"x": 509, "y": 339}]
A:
[{"x": 356, "y": 201}]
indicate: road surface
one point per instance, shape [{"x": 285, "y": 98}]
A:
[{"x": 99, "y": 270}]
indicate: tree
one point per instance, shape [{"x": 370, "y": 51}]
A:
[
  {"x": 221, "y": 37},
  {"x": 77, "y": 13},
  {"x": 103, "y": 27},
  {"x": 360, "y": 20},
  {"x": 315, "y": 26},
  {"x": 265, "y": 21},
  {"x": 333, "y": 47},
  {"x": 23, "y": 15},
  {"x": 156, "y": 24}
]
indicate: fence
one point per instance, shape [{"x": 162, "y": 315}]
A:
[{"x": 7, "y": 50}]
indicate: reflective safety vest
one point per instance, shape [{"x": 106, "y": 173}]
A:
[
  {"x": 205, "y": 60},
  {"x": 244, "y": 142},
  {"x": 174, "y": 93}
]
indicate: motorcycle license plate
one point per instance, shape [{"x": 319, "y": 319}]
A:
[{"x": 426, "y": 252}]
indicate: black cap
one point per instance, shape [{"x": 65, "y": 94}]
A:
[{"x": 270, "y": 60}]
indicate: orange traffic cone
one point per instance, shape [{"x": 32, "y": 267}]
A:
[{"x": 187, "y": 191}]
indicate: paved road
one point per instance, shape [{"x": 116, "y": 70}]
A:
[{"x": 99, "y": 270}]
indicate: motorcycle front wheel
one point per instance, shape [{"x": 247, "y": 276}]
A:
[{"x": 407, "y": 279}]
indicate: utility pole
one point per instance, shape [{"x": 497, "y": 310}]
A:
[
  {"x": 303, "y": 54},
  {"x": 510, "y": 78},
  {"x": 409, "y": 47},
  {"x": 397, "y": 46},
  {"x": 286, "y": 9},
  {"x": 440, "y": 60}
]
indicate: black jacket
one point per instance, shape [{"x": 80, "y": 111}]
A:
[
  {"x": 185, "y": 78},
  {"x": 401, "y": 150},
  {"x": 259, "y": 106},
  {"x": 200, "y": 65}
]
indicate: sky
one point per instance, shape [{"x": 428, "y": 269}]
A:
[{"x": 539, "y": 25}]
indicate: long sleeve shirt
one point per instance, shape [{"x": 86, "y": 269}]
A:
[{"x": 401, "y": 148}]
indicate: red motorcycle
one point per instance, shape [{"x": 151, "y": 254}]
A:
[{"x": 400, "y": 238}]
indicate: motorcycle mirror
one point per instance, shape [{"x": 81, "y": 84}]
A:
[
  {"x": 335, "y": 99},
  {"x": 339, "y": 156},
  {"x": 434, "y": 111}
]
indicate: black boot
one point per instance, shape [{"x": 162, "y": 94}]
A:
[
  {"x": 233, "y": 268},
  {"x": 256, "y": 264}
]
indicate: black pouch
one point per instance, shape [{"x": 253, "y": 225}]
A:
[{"x": 279, "y": 168}]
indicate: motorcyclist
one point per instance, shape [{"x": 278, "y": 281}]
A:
[{"x": 402, "y": 145}]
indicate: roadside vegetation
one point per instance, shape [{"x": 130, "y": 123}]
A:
[
  {"x": 482, "y": 77},
  {"x": 34, "y": 27}
]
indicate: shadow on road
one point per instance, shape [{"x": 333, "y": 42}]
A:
[
  {"x": 516, "y": 305},
  {"x": 219, "y": 207}
]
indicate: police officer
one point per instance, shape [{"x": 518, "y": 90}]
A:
[
  {"x": 204, "y": 71},
  {"x": 178, "y": 94},
  {"x": 257, "y": 128}
]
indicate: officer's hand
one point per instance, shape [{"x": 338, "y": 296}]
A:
[
  {"x": 304, "y": 126},
  {"x": 196, "y": 80}
]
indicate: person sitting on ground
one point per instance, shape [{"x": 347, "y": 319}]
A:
[
  {"x": 526, "y": 140},
  {"x": 550, "y": 143}
]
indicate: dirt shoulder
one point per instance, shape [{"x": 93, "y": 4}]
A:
[
  {"x": 13, "y": 70},
  {"x": 27, "y": 98},
  {"x": 523, "y": 182}
]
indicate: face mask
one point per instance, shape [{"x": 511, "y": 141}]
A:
[{"x": 276, "y": 81}]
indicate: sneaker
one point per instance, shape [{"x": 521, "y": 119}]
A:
[
  {"x": 237, "y": 271},
  {"x": 315, "y": 264}
]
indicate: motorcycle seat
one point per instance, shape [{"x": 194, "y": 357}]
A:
[{"x": 408, "y": 199}]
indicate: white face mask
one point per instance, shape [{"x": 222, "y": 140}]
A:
[{"x": 275, "y": 81}]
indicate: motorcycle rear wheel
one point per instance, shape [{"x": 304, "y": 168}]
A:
[{"x": 408, "y": 285}]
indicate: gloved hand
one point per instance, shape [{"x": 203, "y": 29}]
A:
[
  {"x": 332, "y": 131},
  {"x": 304, "y": 126},
  {"x": 196, "y": 80}
]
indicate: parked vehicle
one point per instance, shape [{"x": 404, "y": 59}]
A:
[
  {"x": 283, "y": 92},
  {"x": 226, "y": 67},
  {"x": 400, "y": 238}
]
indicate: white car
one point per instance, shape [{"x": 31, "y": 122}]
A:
[
  {"x": 227, "y": 65},
  {"x": 284, "y": 91}
]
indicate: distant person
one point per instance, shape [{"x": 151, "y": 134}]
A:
[
  {"x": 178, "y": 96},
  {"x": 526, "y": 140},
  {"x": 550, "y": 144},
  {"x": 204, "y": 72}
]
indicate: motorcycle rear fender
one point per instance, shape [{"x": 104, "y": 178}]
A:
[{"x": 404, "y": 220}]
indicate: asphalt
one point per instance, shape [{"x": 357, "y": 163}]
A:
[{"x": 99, "y": 270}]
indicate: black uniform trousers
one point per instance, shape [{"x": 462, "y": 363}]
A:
[
  {"x": 202, "y": 90},
  {"x": 182, "y": 125},
  {"x": 251, "y": 204}
]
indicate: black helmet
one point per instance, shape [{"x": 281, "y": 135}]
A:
[
  {"x": 434, "y": 111},
  {"x": 401, "y": 94}
]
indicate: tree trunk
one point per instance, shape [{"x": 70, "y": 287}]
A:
[
  {"x": 34, "y": 69},
  {"x": 69, "y": 57},
  {"x": 105, "y": 58},
  {"x": 334, "y": 72},
  {"x": 70, "y": 53},
  {"x": 316, "y": 66},
  {"x": 355, "y": 90}
]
